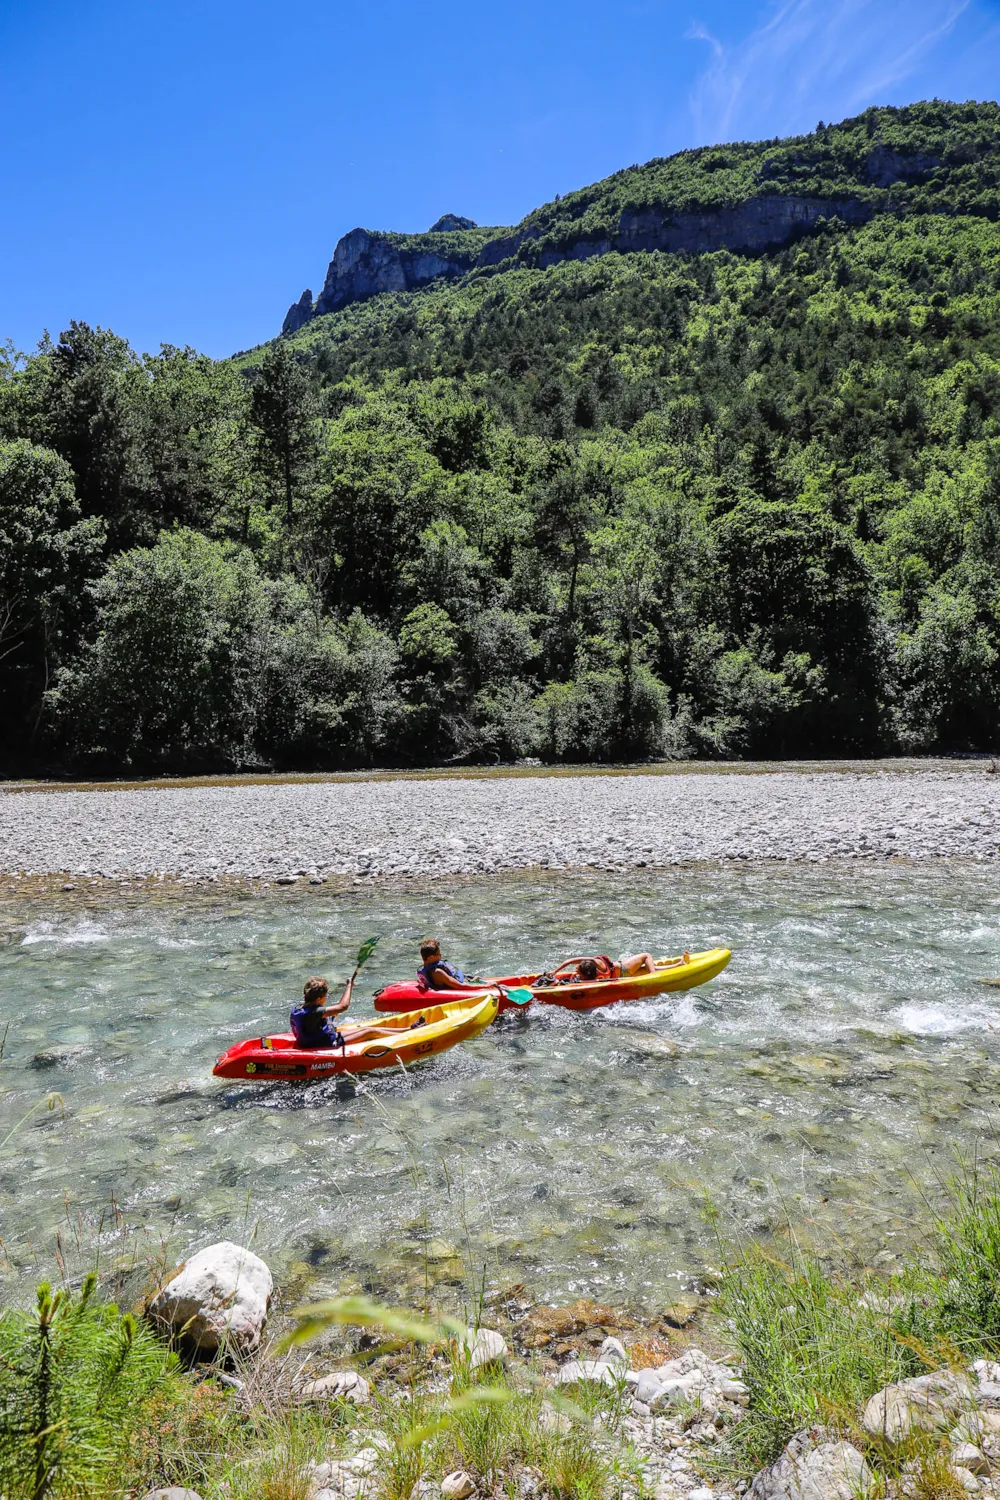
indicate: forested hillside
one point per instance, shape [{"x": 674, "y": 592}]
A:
[{"x": 632, "y": 505}]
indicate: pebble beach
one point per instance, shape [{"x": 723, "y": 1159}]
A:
[{"x": 446, "y": 827}]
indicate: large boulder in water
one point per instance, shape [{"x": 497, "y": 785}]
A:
[{"x": 217, "y": 1300}]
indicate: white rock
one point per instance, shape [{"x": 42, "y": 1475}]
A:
[
  {"x": 596, "y": 1370},
  {"x": 734, "y": 1390},
  {"x": 648, "y": 1386},
  {"x": 986, "y": 1371},
  {"x": 612, "y": 1351},
  {"x": 927, "y": 1402},
  {"x": 679, "y": 1390},
  {"x": 814, "y": 1467},
  {"x": 487, "y": 1348},
  {"x": 218, "y": 1298},
  {"x": 550, "y": 1420},
  {"x": 457, "y": 1485},
  {"x": 341, "y": 1385},
  {"x": 425, "y": 1489},
  {"x": 365, "y": 1461},
  {"x": 702, "y": 1493},
  {"x": 966, "y": 1479},
  {"x": 172, "y": 1492},
  {"x": 969, "y": 1456}
]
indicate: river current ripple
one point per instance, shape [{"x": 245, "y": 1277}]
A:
[{"x": 830, "y": 1077}]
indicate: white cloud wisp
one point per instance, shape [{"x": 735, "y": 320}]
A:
[{"x": 814, "y": 58}]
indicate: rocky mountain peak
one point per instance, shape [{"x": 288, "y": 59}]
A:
[{"x": 450, "y": 222}]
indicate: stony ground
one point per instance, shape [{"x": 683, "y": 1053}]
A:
[{"x": 450, "y": 827}]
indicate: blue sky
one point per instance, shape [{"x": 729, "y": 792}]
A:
[{"x": 178, "y": 170}]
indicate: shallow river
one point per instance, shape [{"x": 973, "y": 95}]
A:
[{"x": 830, "y": 1075}]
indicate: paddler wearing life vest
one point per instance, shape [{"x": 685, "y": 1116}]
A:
[
  {"x": 311, "y": 1020},
  {"x": 437, "y": 974}
]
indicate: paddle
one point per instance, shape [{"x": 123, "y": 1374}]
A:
[
  {"x": 518, "y": 996},
  {"x": 365, "y": 952}
]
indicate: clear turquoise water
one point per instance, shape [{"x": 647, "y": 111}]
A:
[{"x": 830, "y": 1074}]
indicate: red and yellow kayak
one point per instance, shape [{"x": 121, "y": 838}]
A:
[
  {"x": 406, "y": 1039},
  {"x": 671, "y": 974}
]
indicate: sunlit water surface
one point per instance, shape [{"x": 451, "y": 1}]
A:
[{"x": 831, "y": 1074}]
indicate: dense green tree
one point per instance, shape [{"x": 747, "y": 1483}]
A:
[
  {"x": 47, "y": 555},
  {"x": 175, "y": 674},
  {"x": 282, "y": 411}
]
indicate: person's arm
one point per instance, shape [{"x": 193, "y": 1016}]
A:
[
  {"x": 445, "y": 981},
  {"x": 343, "y": 1003}
]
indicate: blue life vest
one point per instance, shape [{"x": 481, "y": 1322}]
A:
[
  {"x": 313, "y": 1030},
  {"x": 427, "y": 973}
]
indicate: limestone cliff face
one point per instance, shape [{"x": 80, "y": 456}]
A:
[
  {"x": 299, "y": 313},
  {"x": 366, "y": 263},
  {"x": 762, "y": 223},
  {"x": 448, "y": 223}
]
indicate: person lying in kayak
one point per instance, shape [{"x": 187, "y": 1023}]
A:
[
  {"x": 311, "y": 1020},
  {"x": 590, "y": 969},
  {"x": 437, "y": 974}
]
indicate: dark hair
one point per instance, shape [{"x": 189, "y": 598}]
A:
[
  {"x": 588, "y": 968},
  {"x": 430, "y": 948},
  {"x": 315, "y": 988}
]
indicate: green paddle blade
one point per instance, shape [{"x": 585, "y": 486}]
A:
[
  {"x": 519, "y": 996},
  {"x": 366, "y": 950}
]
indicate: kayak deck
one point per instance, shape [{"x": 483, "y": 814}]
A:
[{"x": 405, "y": 1038}]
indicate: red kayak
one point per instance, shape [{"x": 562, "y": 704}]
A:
[{"x": 670, "y": 974}]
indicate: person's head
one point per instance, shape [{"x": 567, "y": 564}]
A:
[
  {"x": 588, "y": 968},
  {"x": 315, "y": 990},
  {"x": 430, "y": 949}
]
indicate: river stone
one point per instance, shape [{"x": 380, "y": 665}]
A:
[
  {"x": 612, "y": 1351},
  {"x": 342, "y": 1385},
  {"x": 550, "y": 1420},
  {"x": 648, "y": 1387},
  {"x": 596, "y": 1370},
  {"x": 682, "y": 1312},
  {"x": 679, "y": 1390},
  {"x": 487, "y": 1348},
  {"x": 815, "y": 1465},
  {"x": 172, "y": 1492},
  {"x": 457, "y": 1485},
  {"x": 365, "y": 1461},
  {"x": 217, "y": 1299},
  {"x": 968, "y": 1456},
  {"x": 928, "y": 1402},
  {"x": 60, "y": 1054}
]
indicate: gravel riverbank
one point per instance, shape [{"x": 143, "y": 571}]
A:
[{"x": 454, "y": 827}]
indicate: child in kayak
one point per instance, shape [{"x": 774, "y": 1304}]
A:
[
  {"x": 310, "y": 1020},
  {"x": 437, "y": 974},
  {"x": 590, "y": 969}
]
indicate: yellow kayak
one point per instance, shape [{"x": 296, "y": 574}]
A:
[{"x": 670, "y": 974}]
